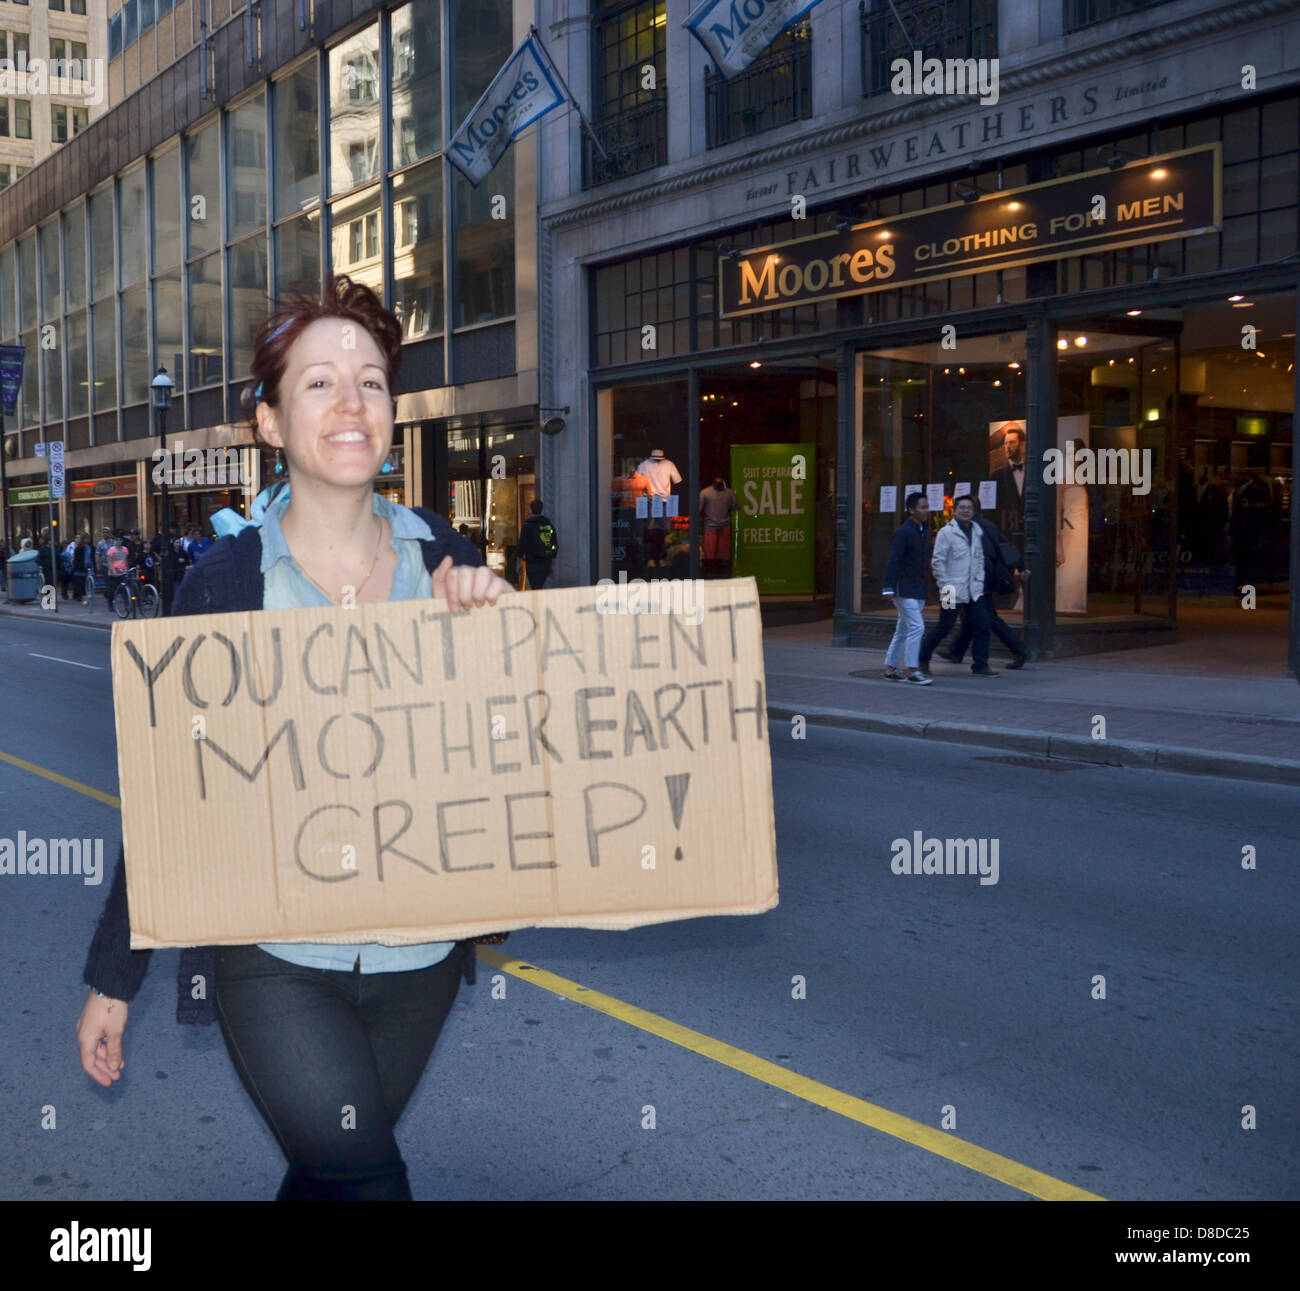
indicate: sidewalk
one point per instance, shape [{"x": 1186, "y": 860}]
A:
[
  {"x": 1173, "y": 708},
  {"x": 1210, "y": 707}
]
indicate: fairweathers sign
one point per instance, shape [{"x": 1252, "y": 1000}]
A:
[{"x": 1176, "y": 195}]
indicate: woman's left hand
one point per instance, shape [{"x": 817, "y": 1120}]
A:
[{"x": 465, "y": 585}]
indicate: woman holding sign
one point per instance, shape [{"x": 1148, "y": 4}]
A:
[{"x": 329, "y": 1041}]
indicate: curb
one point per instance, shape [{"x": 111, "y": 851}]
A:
[
  {"x": 103, "y": 620},
  {"x": 1064, "y": 748}
]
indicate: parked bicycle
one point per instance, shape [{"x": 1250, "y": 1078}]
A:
[{"x": 136, "y": 598}]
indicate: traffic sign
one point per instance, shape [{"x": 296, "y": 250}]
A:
[{"x": 40, "y": 448}]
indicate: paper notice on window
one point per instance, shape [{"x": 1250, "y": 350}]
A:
[
  {"x": 961, "y": 490},
  {"x": 988, "y": 494},
  {"x": 670, "y": 504},
  {"x": 888, "y": 499},
  {"x": 642, "y": 508},
  {"x": 912, "y": 488},
  {"x": 934, "y": 496}
]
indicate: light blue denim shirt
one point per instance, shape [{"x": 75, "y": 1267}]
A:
[{"x": 286, "y": 587}]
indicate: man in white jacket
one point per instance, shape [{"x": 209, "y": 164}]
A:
[{"x": 958, "y": 566}]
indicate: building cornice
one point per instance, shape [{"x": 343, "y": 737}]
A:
[{"x": 1178, "y": 32}]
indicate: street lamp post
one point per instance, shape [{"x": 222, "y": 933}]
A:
[{"x": 162, "y": 386}]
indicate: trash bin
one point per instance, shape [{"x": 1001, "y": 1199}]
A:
[{"x": 25, "y": 576}]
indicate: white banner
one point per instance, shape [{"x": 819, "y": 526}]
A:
[
  {"x": 522, "y": 92},
  {"x": 736, "y": 32}
]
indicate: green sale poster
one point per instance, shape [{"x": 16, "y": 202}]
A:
[{"x": 775, "y": 528}]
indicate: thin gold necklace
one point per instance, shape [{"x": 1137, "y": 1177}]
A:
[{"x": 374, "y": 561}]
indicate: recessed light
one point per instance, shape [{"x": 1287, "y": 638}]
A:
[
  {"x": 1081, "y": 341},
  {"x": 1062, "y": 344},
  {"x": 755, "y": 364},
  {"x": 1236, "y": 298},
  {"x": 1244, "y": 304},
  {"x": 1159, "y": 173},
  {"x": 1133, "y": 313}
]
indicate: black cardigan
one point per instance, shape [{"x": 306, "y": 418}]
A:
[
  {"x": 906, "y": 569},
  {"x": 227, "y": 577}
]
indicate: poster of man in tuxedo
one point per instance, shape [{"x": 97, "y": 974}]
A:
[{"x": 1007, "y": 469}]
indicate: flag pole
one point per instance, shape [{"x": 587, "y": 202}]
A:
[{"x": 550, "y": 62}]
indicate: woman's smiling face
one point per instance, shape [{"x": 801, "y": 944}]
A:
[{"x": 335, "y": 417}]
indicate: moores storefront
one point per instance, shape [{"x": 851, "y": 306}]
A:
[{"x": 1097, "y": 343}]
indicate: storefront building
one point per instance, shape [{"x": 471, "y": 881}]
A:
[
  {"x": 161, "y": 236},
  {"x": 1078, "y": 303}
]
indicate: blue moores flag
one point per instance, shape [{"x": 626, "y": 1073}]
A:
[
  {"x": 736, "y": 32},
  {"x": 522, "y": 92}
]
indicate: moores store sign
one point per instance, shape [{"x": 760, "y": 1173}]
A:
[{"x": 1176, "y": 195}]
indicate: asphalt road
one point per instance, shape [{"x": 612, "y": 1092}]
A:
[{"x": 922, "y": 993}]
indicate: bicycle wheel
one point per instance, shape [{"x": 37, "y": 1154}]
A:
[
  {"x": 150, "y": 601},
  {"x": 122, "y": 602}
]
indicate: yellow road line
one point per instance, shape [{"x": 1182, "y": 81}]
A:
[
  {"x": 106, "y": 798},
  {"x": 948, "y": 1146}
]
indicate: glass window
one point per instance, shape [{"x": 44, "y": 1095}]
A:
[
  {"x": 51, "y": 290},
  {"x": 169, "y": 345},
  {"x": 8, "y": 316},
  {"x": 205, "y": 321},
  {"x": 115, "y": 35},
  {"x": 29, "y": 399},
  {"x": 417, "y": 251},
  {"x": 52, "y": 368},
  {"x": 103, "y": 226},
  {"x": 167, "y": 210},
  {"x": 297, "y": 255},
  {"x": 27, "y": 281},
  {"x": 74, "y": 241},
  {"x": 131, "y": 14},
  {"x": 80, "y": 120},
  {"x": 4, "y": 178},
  {"x": 79, "y": 54},
  {"x": 58, "y": 53},
  {"x": 203, "y": 185},
  {"x": 417, "y": 82},
  {"x": 4, "y": 116},
  {"x": 246, "y": 177},
  {"x": 146, "y": 15},
  {"x": 134, "y": 213},
  {"x": 482, "y": 38},
  {"x": 104, "y": 340},
  {"x": 248, "y": 305},
  {"x": 22, "y": 48},
  {"x": 135, "y": 359},
  {"x": 164, "y": 7},
  {"x": 356, "y": 247},
  {"x": 79, "y": 6},
  {"x": 297, "y": 131},
  {"x": 485, "y": 247},
  {"x": 56, "y": 6},
  {"x": 22, "y": 118},
  {"x": 354, "y": 110},
  {"x": 74, "y": 335},
  {"x": 59, "y": 123}
]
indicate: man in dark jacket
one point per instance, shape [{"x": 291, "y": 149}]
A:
[
  {"x": 996, "y": 571},
  {"x": 905, "y": 575},
  {"x": 537, "y": 545}
]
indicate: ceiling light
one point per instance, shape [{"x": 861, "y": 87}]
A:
[
  {"x": 1244, "y": 304},
  {"x": 1014, "y": 365},
  {"x": 1159, "y": 173},
  {"x": 1062, "y": 344},
  {"x": 997, "y": 384},
  {"x": 1238, "y": 297},
  {"x": 1133, "y": 313},
  {"x": 1081, "y": 341},
  {"x": 755, "y": 364}
]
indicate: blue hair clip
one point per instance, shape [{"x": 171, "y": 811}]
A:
[
  {"x": 257, "y": 394},
  {"x": 287, "y": 322}
]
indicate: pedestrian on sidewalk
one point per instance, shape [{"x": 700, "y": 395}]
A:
[
  {"x": 905, "y": 582},
  {"x": 958, "y": 567},
  {"x": 1004, "y": 573},
  {"x": 118, "y": 559},
  {"x": 538, "y": 546}
]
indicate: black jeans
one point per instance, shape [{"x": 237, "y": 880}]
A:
[
  {"x": 997, "y": 625},
  {"x": 539, "y": 571},
  {"x": 974, "y": 616},
  {"x": 310, "y": 1043}
]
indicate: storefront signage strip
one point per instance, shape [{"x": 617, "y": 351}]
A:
[{"x": 1176, "y": 195}]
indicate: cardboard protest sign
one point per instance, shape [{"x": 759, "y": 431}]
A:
[{"x": 589, "y": 757}]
